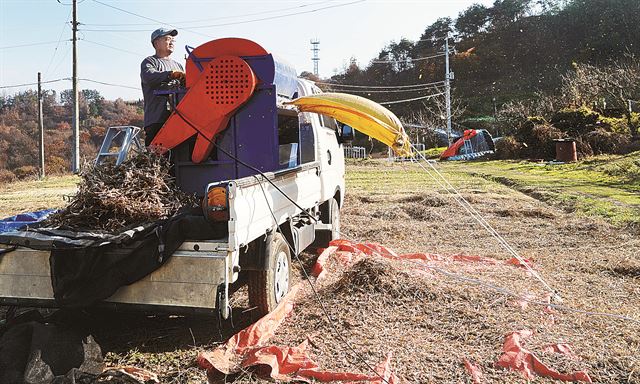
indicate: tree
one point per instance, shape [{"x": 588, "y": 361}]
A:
[
  {"x": 473, "y": 20},
  {"x": 505, "y": 12}
]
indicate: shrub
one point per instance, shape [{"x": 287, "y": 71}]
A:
[
  {"x": 539, "y": 140},
  {"x": 26, "y": 171},
  {"x": 6, "y": 176},
  {"x": 508, "y": 148},
  {"x": 55, "y": 165},
  {"x": 583, "y": 148},
  {"x": 576, "y": 121},
  {"x": 602, "y": 141}
]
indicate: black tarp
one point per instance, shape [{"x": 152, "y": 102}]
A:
[{"x": 87, "y": 267}]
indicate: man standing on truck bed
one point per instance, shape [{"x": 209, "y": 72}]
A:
[{"x": 159, "y": 72}]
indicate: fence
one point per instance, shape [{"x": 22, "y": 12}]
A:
[{"x": 355, "y": 152}]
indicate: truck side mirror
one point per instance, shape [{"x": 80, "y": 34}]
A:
[{"x": 347, "y": 134}]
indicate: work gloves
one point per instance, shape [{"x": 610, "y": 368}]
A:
[{"x": 177, "y": 75}]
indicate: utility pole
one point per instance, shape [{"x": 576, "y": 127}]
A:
[
  {"x": 315, "y": 58},
  {"x": 447, "y": 86},
  {"x": 75, "y": 165},
  {"x": 40, "y": 126}
]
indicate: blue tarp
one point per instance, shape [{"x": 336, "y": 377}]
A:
[{"x": 16, "y": 222}]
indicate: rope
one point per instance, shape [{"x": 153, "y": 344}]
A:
[
  {"x": 499, "y": 289},
  {"x": 315, "y": 292},
  {"x": 444, "y": 183}
]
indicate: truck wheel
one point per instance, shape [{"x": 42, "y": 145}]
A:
[
  {"x": 330, "y": 214},
  {"x": 267, "y": 288}
]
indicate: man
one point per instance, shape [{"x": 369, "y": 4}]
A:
[{"x": 159, "y": 72}]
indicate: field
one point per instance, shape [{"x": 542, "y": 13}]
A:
[{"x": 577, "y": 224}]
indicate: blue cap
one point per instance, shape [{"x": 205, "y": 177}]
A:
[{"x": 160, "y": 32}]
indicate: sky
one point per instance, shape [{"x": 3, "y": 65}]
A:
[{"x": 115, "y": 34}]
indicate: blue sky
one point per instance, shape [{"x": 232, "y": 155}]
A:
[{"x": 114, "y": 42}]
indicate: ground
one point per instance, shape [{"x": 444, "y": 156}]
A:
[{"x": 431, "y": 323}]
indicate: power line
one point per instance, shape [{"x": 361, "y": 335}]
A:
[
  {"x": 191, "y": 29},
  {"x": 28, "y": 84},
  {"x": 29, "y": 44},
  {"x": 108, "y": 46},
  {"x": 55, "y": 51},
  {"x": 408, "y": 59},
  {"x": 141, "y": 16},
  {"x": 109, "y": 84},
  {"x": 391, "y": 90},
  {"x": 380, "y": 87},
  {"x": 413, "y": 99},
  {"x": 210, "y": 19}
]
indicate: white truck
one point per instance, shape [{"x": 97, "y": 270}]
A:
[{"x": 271, "y": 215}]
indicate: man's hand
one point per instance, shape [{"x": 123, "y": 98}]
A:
[{"x": 177, "y": 75}]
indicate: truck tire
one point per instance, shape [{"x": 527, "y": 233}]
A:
[
  {"x": 329, "y": 214},
  {"x": 267, "y": 288}
]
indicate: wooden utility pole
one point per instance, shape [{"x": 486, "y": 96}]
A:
[
  {"x": 447, "y": 87},
  {"x": 40, "y": 125},
  {"x": 75, "y": 166}
]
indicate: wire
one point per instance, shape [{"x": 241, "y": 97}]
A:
[
  {"x": 108, "y": 46},
  {"x": 191, "y": 29},
  {"x": 210, "y": 19},
  {"x": 315, "y": 292},
  {"x": 391, "y": 90},
  {"x": 498, "y": 289},
  {"x": 141, "y": 16},
  {"x": 444, "y": 183},
  {"x": 28, "y": 45},
  {"x": 380, "y": 86},
  {"x": 55, "y": 51},
  {"x": 36, "y": 83},
  {"x": 413, "y": 99},
  {"x": 110, "y": 84},
  {"x": 409, "y": 60}
]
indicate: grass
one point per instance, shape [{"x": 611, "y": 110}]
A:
[
  {"x": 34, "y": 195},
  {"x": 605, "y": 186}
]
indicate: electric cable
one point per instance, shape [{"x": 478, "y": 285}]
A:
[
  {"x": 379, "y": 86},
  {"x": 211, "y": 19},
  {"x": 36, "y": 83},
  {"x": 108, "y": 46},
  {"x": 410, "y": 60},
  {"x": 29, "y": 44},
  {"x": 55, "y": 51},
  {"x": 191, "y": 29},
  {"x": 413, "y": 99},
  {"x": 390, "y": 90},
  {"x": 109, "y": 84}
]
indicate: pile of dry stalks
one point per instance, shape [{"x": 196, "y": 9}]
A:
[{"x": 111, "y": 197}]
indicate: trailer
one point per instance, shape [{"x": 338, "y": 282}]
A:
[{"x": 272, "y": 176}]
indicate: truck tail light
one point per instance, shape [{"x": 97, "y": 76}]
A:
[{"x": 216, "y": 204}]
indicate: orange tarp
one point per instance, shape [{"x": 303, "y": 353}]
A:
[{"x": 516, "y": 357}]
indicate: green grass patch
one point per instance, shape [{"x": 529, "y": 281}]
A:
[{"x": 605, "y": 186}]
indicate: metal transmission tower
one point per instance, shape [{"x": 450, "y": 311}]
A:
[{"x": 315, "y": 57}]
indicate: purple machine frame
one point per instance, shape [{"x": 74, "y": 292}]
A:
[{"x": 251, "y": 136}]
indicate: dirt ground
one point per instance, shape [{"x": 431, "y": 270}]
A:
[{"x": 431, "y": 322}]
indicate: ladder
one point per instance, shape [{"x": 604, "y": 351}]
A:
[
  {"x": 128, "y": 134},
  {"x": 468, "y": 147}
]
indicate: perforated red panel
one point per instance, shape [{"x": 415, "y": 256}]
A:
[{"x": 228, "y": 80}]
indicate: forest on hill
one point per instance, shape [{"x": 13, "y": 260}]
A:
[{"x": 529, "y": 70}]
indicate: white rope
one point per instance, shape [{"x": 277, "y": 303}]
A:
[
  {"x": 444, "y": 183},
  {"x": 499, "y": 289}
]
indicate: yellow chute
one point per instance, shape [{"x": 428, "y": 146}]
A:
[{"x": 362, "y": 114}]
